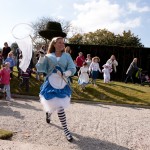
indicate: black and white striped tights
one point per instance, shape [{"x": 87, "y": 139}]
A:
[{"x": 62, "y": 118}]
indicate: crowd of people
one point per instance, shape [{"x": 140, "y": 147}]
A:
[
  {"x": 87, "y": 68},
  {"x": 7, "y": 63}
]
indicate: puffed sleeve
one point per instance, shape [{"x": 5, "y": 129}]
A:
[
  {"x": 42, "y": 67},
  {"x": 70, "y": 65}
]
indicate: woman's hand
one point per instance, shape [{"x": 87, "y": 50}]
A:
[{"x": 59, "y": 73}]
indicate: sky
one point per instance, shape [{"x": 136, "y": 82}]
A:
[{"x": 88, "y": 15}]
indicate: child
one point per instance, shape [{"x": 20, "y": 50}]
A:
[
  {"x": 11, "y": 60},
  {"x": 94, "y": 69},
  {"x": 5, "y": 80},
  {"x": 83, "y": 75},
  {"x": 106, "y": 73},
  {"x": 25, "y": 78}
]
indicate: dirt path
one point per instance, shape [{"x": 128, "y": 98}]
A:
[{"x": 94, "y": 127}]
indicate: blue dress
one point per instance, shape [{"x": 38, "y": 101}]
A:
[{"x": 55, "y": 92}]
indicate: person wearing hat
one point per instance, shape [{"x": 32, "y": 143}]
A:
[
  {"x": 55, "y": 93},
  {"x": 94, "y": 68}
]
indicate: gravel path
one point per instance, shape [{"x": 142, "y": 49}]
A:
[{"x": 94, "y": 127}]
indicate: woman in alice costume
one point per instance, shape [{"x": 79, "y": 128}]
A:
[{"x": 55, "y": 93}]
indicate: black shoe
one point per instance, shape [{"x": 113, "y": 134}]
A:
[
  {"x": 48, "y": 117},
  {"x": 69, "y": 138}
]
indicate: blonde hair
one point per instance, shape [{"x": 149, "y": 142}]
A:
[
  {"x": 96, "y": 57},
  {"x": 51, "y": 47}
]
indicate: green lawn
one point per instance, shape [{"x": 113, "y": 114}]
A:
[{"x": 114, "y": 92}]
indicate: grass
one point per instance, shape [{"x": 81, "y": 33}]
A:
[
  {"x": 114, "y": 92},
  {"x": 34, "y": 85},
  {"x": 5, "y": 134}
]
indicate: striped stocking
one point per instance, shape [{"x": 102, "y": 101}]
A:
[{"x": 62, "y": 118}]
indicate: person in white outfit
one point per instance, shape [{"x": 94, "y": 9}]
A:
[
  {"x": 106, "y": 73},
  {"x": 83, "y": 75}
]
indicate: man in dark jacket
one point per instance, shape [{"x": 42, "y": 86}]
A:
[{"x": 6, "y": 50}]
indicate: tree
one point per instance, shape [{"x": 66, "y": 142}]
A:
[
  {"x": 99, "y": 37},
  {"x": 105, "y": 37},
  {"x": 128, "y": 39},
  {"x": 76, "y": 39}
]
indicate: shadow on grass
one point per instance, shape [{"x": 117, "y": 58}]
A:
[
  {"x": 80, "y": 94},
  {"x": 122, "y": 95},
  {"x": 90, "y": 94},
  {"x": 112, "y": 84}
]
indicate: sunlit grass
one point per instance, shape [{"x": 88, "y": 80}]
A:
[{"x": 114, "y": 92}]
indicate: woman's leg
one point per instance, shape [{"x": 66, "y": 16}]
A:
[{"x": 62, "y": 118}]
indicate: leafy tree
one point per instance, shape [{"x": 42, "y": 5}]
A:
[
  {"x": 128, "y": 39},
  {"x": 76, "y": 39},
  {"x": 105, "y": 37}
]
